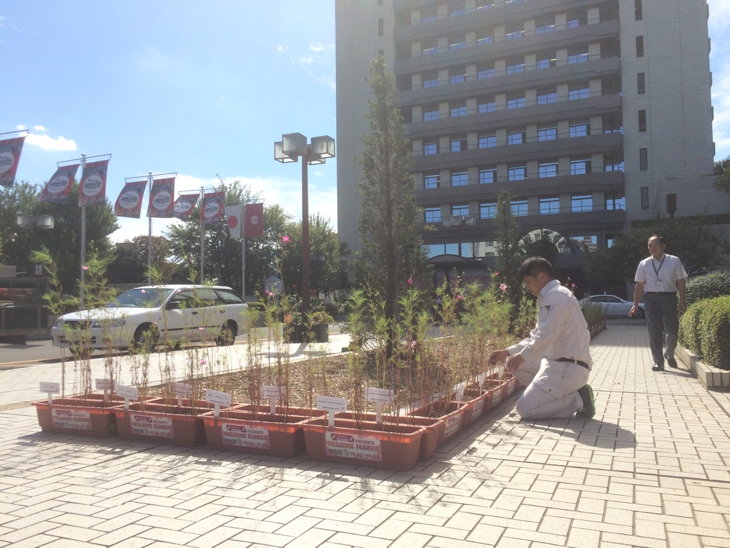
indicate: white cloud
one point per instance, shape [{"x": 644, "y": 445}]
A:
[
  {"x": 317, "y": 47},
  {"x": 40, "y": 128},
  {"x": 44, "y": 142},
  {"x": 280, "y": 48},
  {"x": 719, "y": 26}
]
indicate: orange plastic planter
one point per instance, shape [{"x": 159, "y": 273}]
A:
[{"x": 90, "y": 415}]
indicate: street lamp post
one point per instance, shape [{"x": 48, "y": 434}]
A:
[{"x": 292, "y": 147}]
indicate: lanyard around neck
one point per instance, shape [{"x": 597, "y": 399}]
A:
[{"x": 661, "y": 263}]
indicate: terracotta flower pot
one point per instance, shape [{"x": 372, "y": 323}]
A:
[
  {"x": 241, "y": 429},
  {"x": 89, "y": 415},
  {"x": 451, "y": 413},
  {"x": 384, "y": 446},
  {"x": 159, "y": 421}
]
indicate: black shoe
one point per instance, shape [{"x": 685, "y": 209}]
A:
[
  {"x": 589, "y": 405},
  {"x": 657, "y": 368},
  {"x": 671, "y": 362}
]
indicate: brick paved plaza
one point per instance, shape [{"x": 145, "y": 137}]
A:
[{"x": 650, "y": 470}]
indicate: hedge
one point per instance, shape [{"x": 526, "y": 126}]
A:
[
  {"x": 705, "y": 330},
  {"x": 715, "y": 284}
]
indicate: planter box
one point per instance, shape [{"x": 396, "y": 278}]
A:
[
  {"x": 241, "y": 429},
  {"x": 710, "y": 376},
  {"x": 82, "y": 415},
  {"x": 159, "y": 421},
  {"x": 451, "y": 414},
  {"x": 383, "y": 446}
]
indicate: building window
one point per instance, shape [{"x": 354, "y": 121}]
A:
[
  {"x": 488, "y": 210},
  {"x": 642, "y": 120},
  {"x": 459, "y": 178},
  {"x": 430, "y": 113},
  {"x": 487, "y": 141},
  {"x": 380, "y": 27},
  {"x": 432, "y": 214},
  {"x": 545, "y": 25},
  {"x": 516, "y": 68},
  {"x": 638, "y": 10},
  {"x": 640, "y": 46},
  {"x": 431, "y": 180},
  {"x": 580, "y": 167},
  {"x": 547, "y": 134},
  {"x": 457, "y": 75},
  {"x": 484, "y": 37},
  {"x": 640, "y": 83},
  {"x": 430, "y": 79},
  {"x": 547, "y": 96},
  {"x": 579, "y": 93},
  {"x": 486, "y": 105},
  {"x": 581, "y": 203},
  {"x": 579, "y": 129},
  {"x": 429, "y": 47},
  {"x": 644, "y": 197},
  {"x": 458, "y": 110},
  {"x": 514, "y": 33},
  {"x": 643, "y": 159},
  {"x": 549, "y": 206},
  {"x": 456, "y": 9},
  {"x": 516, "y": 102},
  {"x": 578, "y": 58},
  {"x": 487, "y": 176},
  {"x": 615, "y": 203},
  {"x": 459, "y": 210},
  {"x": 518, "y": 208},
  {"x": 547, "y": 169},
  {"x": 545, "y": 63},
  {"x": 457, "y": 42},
  {"x": 458, "y": 143},
  {"x": 430, "y": 147},
  {"x": 516, "y": 138},
  {"x": 517, "y": 173},
  {"x": 484, "y": 72}
]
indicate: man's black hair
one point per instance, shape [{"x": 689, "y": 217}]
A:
[
  {"x": 533, "y": 265},
  {"x": 660, "y": 239}
]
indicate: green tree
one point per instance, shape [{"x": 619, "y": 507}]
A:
[
  {"x": 722, "y": 170},
  {"x": 509, "y": 249},
  {"x": 388, "y": 221},
  {"x": 130, "y": 260}
]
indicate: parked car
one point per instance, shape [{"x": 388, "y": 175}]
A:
[
  {"x": 611, "y": 305},
  {"x": 149, "y": 315}
]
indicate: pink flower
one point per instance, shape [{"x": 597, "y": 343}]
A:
[
  {"x": 285, "y": 239},
  {"x": 460, "y": 297},
  {"x": 84, "y": 267},
  {"x": 496, "y": 273},
  {"x": 409, "y": 281},
  {"x": 503, "y": 287}
]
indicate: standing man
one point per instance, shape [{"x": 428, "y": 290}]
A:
[
  {"x": 554, "y": 361},
  {"x": 659, "y": 277}
]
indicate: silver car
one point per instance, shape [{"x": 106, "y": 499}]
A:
[
  {"x": 611, "y": 305},
  {"x": 149, "y": 315}
]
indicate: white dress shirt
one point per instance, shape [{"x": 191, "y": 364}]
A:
[
  {"x": 660, "y": 275},
  {"x": 561, "y": 330}
]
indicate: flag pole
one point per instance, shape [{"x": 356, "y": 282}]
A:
[
  {"x": 243, "y": 250},
  {"x": 149, "y": 235},
  {"x": 202, "y": 240},
  {"x": 82, "y": 277}
]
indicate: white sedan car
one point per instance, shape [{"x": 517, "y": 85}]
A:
[
  {"x": 146, "y": 316},
  {"x": 611, "y": 305}
]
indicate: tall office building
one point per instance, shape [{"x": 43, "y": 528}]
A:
[{"x": 591, "y": 113}]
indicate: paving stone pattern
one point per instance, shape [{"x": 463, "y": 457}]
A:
[{"x": 650, "y": 470}]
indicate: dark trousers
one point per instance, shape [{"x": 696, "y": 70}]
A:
[{"x": 662, "y": 321}]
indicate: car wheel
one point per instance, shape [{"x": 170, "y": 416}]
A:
[
  {"x": 639, "y": 313},
  {"x": 227, "y": 335},
  {"x": 145, "y": 338}
]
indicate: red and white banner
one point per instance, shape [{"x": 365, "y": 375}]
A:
[
  {"x": 59, "y": 186},
  {"x": 162, "y": 198},
  {"x": 254, "y": 220},
  {"x": 92, "y": 190},
  {"x": 184, "y": 205},
  {"x": 129, "y": 202},
  {"x": 233, "y": 218},
  {"x": 212, "y": 207},
  {"x": 10, "y": 150}
]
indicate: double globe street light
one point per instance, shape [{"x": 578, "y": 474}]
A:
[{"x": 292, "y": 147}]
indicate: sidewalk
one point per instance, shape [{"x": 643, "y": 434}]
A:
[{"x": 652, "y": 469}]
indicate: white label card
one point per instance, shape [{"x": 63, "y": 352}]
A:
[
  {"x": 272, "y": 392},
  {"x": 50, "y": 387},
  {"x": 331, "y": 403},
  {"x": 384, "y": 395},
  {"x": 104, "y": 384},
  {"x": 221, "y": 398},
  {"x": 182, "y": 389},
  {"x": 130, "y": 392}
]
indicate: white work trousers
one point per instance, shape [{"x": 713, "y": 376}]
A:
[{"x": 551, "y": 389}]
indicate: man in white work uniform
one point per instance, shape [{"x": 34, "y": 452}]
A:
[
  {"x": 554, "y": 361},
  {"x": 659, "y": 277}
]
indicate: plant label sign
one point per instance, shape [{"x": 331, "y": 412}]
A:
[
  {"x": 353, "y": 446},
  {"x": 331, "y": 404},
  {"x": 128, "y": 393},
  {"x": 217, "y": 399},
  {"x": 181, "y": 389},
  {"x": 73, "y": 419},
  {"x": 383, "y": 395},
  {"x": 50, "y": 387},
  {"x": 104, "y": 384},
  {"x": 150, "y": 425},
  {"x": 242, "y": 435},
  {"x": 273, "y": 394}
]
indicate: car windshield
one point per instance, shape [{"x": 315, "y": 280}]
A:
[{"x": 142, "y": 297}]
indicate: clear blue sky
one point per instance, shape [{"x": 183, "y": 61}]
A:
[{"x": 197, "y": 88}]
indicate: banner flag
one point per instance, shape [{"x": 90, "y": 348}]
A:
[
  {"x": 212, "y": 207},
  {"x": 59, "y": 186},
  {"x": 10, "y": 150},
  {"x": 129, "y": 202},
  {"x": 184, "y": 205},
  {"x": 233, "y": 218},
  {"x": 254, "y": 220},
  {"x": 92, "y": 190},
  {"x": 162, "y": 198}
]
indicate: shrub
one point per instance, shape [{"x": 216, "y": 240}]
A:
[
  {"x": 689, "y": 327},
  {"x": 715, "y": 284},
  {"x": 714, "y": 332}
]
